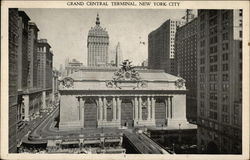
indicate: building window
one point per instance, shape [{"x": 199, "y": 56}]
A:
[
  {"x": 225, "y": 87},
  {"x": 225, "y": 36},
  {"x": 202, "y": 78},
  {"x": 225, "y": 118},
  {"x": 213, "y": 105},
  {"x": 240, "y": 12},
  {"x": 213, "y": 58},
  {"x": 212, "y": 115},
  {"x": 225, "y": 46},
  {"x": 213, "y": 96},
  {"x": 213, "y": 49},
  {"x": 224, "y": 108},
  {"x": 213, "y": 68},
  {"x": 202, "y": 60},
  {"x": 240, "y": 34},
  {"x": 224, "y": 97},
  {"x": 202, "y": 86},
  {"x": 213, "y": 77},
  {"x": 225, "y": 67},
  {"x": 212, "y": 87},
  {"x": 225, "y": 77},
  {"x": 240, "y": 22},
  {"x": 224, "y": 56}
]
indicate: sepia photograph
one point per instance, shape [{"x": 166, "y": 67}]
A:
[{"x": 125, "y": 81}]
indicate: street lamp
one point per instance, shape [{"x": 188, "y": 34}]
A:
[{"x": 179, "y": 133}]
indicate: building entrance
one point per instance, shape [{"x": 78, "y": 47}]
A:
[
  {"x": 127, "y": 113},
  {"x": 90, "y": 114},
  {"x": 160, "y": 113}
]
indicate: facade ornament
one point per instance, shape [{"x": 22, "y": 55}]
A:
[
  {"x": 126, "y": 74},
  {"x": 180, "y": 83},
  {"x": 68, "y": 82}
]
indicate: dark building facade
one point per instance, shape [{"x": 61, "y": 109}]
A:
[
  {"x": 32, "y": 55},
  {"x": 23, "y": 29},
  {"x": 219, "y": 79},
  {"x": 161, "y": 53},
  {"x": 30, "y": 76},
  {"x": 13, "y": 54},
  {"x": 45, "y": 67},
  {"x": 186, "y": 55}
]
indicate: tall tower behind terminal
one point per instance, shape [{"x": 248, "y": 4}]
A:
[
  {"x": 98, "y": 43},
  {"x": 118, "y": 55}
]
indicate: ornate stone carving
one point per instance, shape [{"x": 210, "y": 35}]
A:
[
  {"x": 68, "y": 82},
  {"x": 180, "y": 83},
  {"x": 126, "y": 76},
  {"x": 126, "y": 72}
]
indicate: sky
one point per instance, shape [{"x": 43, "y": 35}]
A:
[{"x": 67, "y": 30}]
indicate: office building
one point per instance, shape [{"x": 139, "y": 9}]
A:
[
  {"x": 186, "y": 55},
  {"x": 161, "y": 53},
  {"x": 118, "y": 55},
  {"x": 13, "y": 77},
  {"x": 219, "y": 81},
  {"x": 32, "y": 55},
  {"x": 97, "y": 43}
]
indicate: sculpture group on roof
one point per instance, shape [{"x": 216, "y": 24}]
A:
[{"x": 126, "y": 72}]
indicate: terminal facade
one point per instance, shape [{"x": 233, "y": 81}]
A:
[{"x": 123, "y": 97}]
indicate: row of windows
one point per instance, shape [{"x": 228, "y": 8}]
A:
[{"x": 214, "y": 68}]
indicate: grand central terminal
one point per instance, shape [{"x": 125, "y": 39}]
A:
[{"x": 122, "y": 97}]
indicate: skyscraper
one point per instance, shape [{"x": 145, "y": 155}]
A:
[
  {"x": 118, "y": 55},
  {"x": 98, "y": 43},
  {"x": 186, "y": 55},
  {"x": 219, "y": 79},
  {"x": 32, "y": 55},
  {"x": 161, "y": 54},
  {"x": 13, "y": 53}
]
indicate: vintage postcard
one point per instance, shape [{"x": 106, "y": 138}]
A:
[{"x": 125, "y": 80}]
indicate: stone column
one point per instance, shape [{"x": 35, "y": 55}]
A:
[
  {"x": 114, "y": 109},
  {"x": 105, "y": 108},
  {"x": 140, "y": 108},
  {"x": 166, "y": 103},
  {"x": 119, "y": 109},
  {"x": 82, "y": 103},
  {"x": 44, "y": 100},
  {"x": 26, "y": 101},
  {"x": 80, "y": 108},
  {"x": 136, "y": 108},
  {"x": 153, "y": 108},
  {"x": 149, "y": 106},
  {"x": 100, "y": 107},
  {"x": 169, "y": 108}
]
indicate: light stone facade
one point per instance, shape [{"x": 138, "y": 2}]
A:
[
  {"x": 98, "y": 43},
  {"x": 100, "y": 98}
]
